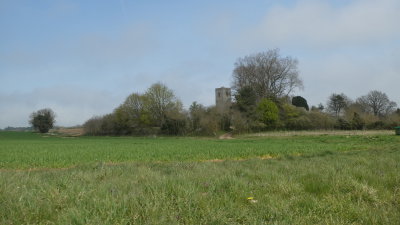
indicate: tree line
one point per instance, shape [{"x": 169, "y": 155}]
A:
[{"x": 263, "y": 86}]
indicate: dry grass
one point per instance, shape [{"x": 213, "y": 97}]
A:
[
  {"x": 69, "y": 132},
  {"x": 320, "y": 132}
]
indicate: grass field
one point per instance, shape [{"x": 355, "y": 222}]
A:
[{"x": 311, "y": 179}]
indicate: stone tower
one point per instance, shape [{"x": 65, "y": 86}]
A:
[{"x": 222, "y": 98}]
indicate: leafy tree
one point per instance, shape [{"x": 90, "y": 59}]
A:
[
  {"x": 337, "y": 102},
  {"x": 377, "y": 102},
  {"x": 268, "y": 113},
  {"x": 161, "y": 100},
  {"x": 268, "y": 74},
  {"x": 196, "y": 112},
  {"x": 175, "y": 124},
  {"x": 246, "y": 99},
  {"x": 299, "y": 101},
  {"x": 133, "y": 114},
  {"x": 43, "y": 120}
]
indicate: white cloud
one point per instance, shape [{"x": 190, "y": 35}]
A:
[{"x": 320, "y": 24}]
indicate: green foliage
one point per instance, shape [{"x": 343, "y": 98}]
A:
[
  {"x": 321, "y": 121},
  {"x": 299, "y": 101},
  {"x": 246, "y": 100},
  {"x": 196, "y": 111},
  {"x": 343, "y": 124},
  {"x": 42, "y": 120},
  {"x": 175, "y": 124},
  {"x": 161, "y": 100},
  {"x": 142, "y": 114},
  {"x": 268, "y": 113},
  {"x": 357, "y": 122},
  {"x": 295, "y": 118}
]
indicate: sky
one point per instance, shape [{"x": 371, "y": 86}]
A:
[{"x": 83, "y": 58}]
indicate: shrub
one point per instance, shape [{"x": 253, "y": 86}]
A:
[
  {"x": 268, "y": 113},
  {"x": 43, "y": 120}
]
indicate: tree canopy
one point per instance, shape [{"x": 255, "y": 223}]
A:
[
  {"x": 377, "y": 102},
  {"x": 299, "y": 101},
  {"x": 268, "y": 73},
  {"x": 42, "y": 120}
]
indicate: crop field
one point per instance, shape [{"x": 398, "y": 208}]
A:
[{"x": 262, "y": 179}]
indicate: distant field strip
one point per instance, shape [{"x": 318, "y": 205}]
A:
[{"x": 32, "y": 151}]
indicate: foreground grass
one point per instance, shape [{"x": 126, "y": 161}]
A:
[
  {"x": 20, "y": 150},
  {"x": 360, "y": 187}
]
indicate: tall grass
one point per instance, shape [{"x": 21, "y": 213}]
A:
[{"x": 333, "y": 188}]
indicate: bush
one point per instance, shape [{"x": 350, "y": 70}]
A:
[
  {"x": 268, "y": 113},
  {"x": 357, "y": 122},
  {"x": 299, "y": 123},
  {"x": 343, "y": 124},
  {"x": 320, "y": 120},
  {"x": 42, "y": 120}
]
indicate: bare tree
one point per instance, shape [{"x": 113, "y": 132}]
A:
[
  {"x": 377, "y": 102},
  {"x": 337, "y": 102},
  {"x": 268, "y": 74}
]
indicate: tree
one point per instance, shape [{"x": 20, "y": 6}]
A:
[
  {"x": 268, "y": 113},
  {"x": 337, "y": 102},
  {"x": 93, "y": 126},
  {"x": 357, "y": 122},
  {"x": 268, "y": 74},
  {"x": 161, "y": 99},
  {"x": 299, "y": 101},
  {"x": 43, "y": 120},
  {"x": 196, "y": 112},
  {"x": 246, "y": 99},
  {"x": 377, "y": 102},
  {"x": 133, "y": 114}
]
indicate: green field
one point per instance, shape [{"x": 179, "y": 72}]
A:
[{"x": 313, "y": 179}]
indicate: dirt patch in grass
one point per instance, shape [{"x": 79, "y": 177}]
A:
[{"x": 226, "y": 136}]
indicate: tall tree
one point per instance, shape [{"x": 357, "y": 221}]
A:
[
  {"x": 161, "y": 99},
  {"x": 268, "y": 73},
  {"x": 377, "y": 102},
  {"x": 43, "y": 120},
  {"x": 196, "y": 111},
  {"x": 337, "y": 102}
]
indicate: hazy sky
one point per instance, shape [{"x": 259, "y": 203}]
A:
[{"x": 82, "y": 58}]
